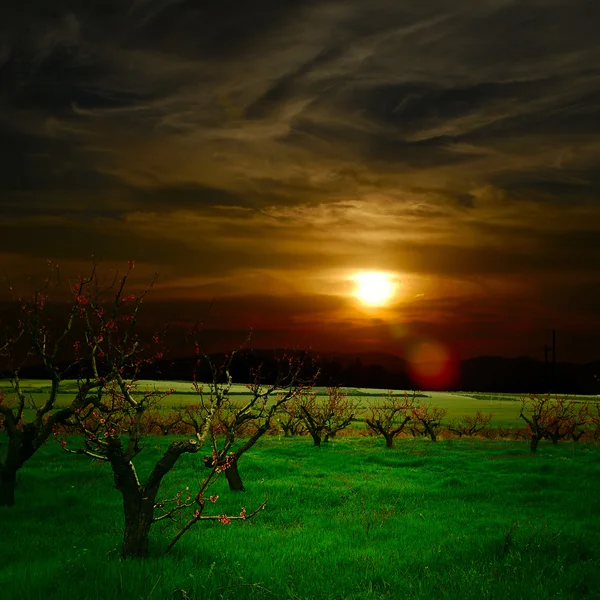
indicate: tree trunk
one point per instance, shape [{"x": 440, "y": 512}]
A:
[
  {"x": 233, "y": 478},
  {"x": 138, "y": 520},
  {"x": 316, "y": 439},
  {"x": 20, "y": 449},
  {"x": 534, "y": 443},
  {"x": 389, "y": 440},
  {"x": 431, "y": 433},
  {"x": 8, "y": 480}
]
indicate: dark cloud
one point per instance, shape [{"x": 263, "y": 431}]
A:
[
  {"x": 100, "y": 240},
  {"x": 211, "y": 30},
  {"x": 277, "y": 144},
  {"x": 551, "y": 184},
  {"x": 188, "y": 197}
]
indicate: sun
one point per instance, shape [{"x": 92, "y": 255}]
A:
[{"x": 374, "y": 288}]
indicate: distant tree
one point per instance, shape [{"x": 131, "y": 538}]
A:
[
  {"x": 498, "y": 432},
  {"x": 471, "y": 425},
  {"x": 161, "y": 421},
  {"x": 290, "y": 418},
  {"x": 570, "y": 420},
  {"x": 594, "y": 421},
  {"x": 427, "y": 420},
  {"x": 325, "y": 418},
  {"x": 552, "y": 419},
  {"x": 390, "y": 416}
]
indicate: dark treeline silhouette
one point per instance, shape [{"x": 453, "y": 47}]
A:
[{"x": 383, "y": 371}]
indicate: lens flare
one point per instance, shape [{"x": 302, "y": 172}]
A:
[{"x": 432, "y": 366}]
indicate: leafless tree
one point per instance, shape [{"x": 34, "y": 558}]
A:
[
  {"x": 325, "y": 418},
  {"x": 391, "y": 415},
  {"x": 237, "y": 426}
]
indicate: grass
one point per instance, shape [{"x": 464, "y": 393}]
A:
[{"x": 457, "y": 519}]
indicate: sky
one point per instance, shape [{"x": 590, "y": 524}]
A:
[{"x": 257, "y": 154}]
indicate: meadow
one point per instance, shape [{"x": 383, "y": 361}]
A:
[
  {"x": 352, "y": 520},
  {"x": 505, "y": 407}
]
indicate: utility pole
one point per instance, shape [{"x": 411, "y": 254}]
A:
[
  {"x": 546, "y": 373},
  {"x": 554, "y": 360}
]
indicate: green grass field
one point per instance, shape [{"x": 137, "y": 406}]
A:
[{"x": 466, "y": 519}]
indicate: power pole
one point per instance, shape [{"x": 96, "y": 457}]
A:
[
  {"x": 546, "y": 374},
  {"x": 554, "y": 359}
]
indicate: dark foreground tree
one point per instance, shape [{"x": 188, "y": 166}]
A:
[
  {"x": 37, "y": 336},
  {"x": 112, "y": 428}
]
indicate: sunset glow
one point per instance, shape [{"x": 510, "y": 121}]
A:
[
  {"x": 374, "y": 288},
  {"x": 328, "y": 191}
]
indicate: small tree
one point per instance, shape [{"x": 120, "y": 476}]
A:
[
  {"x": 289, "y": 418},
  {"x": 594, "y": 421},
  {"x": 114, "y": 426},
  {"x": 570, "y": 420},
  {"x": 391, "y": 416},
  {"x": 428, "y": 419},
  {"x": 35, "y": 336},
  {"x": 471, "y": 425},
  {"x": 324, "y": 419},
  {"x": 163, "y": 422},
  {"x": 552, "y": 419},
  {"x": 236, "y": 427}
]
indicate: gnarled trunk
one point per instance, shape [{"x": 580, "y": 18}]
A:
[
  {"x": 8, "y": 482},
  {"x": 20, "y": 449},
  {"x": 535, "y": 440},
  {"x": 232, "y": 473},
  {"x": 138, "y": 520},
  {"x": 431, "y": 432},
  {"x": 316, "y": 439},
  {"x": 389, "y": 440},
  {"x": 233, "y": 477}
]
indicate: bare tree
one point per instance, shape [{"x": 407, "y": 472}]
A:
[
  {"x": 237, "y": 426},
  {"x": 113, "y": 427},
  {"x": 471, "y": 425},
  {"x": 389, "y": 417},
  {"x": 325, "y": 418},
  {"x": 428, "y": 419},
  {"x": 35, "y": 336},
  {"x": 290, "y": 418},
  {"x": 552, "y": 419},
  {"x": 571, "y": 419},
  {"x": 594, "y": 421}
]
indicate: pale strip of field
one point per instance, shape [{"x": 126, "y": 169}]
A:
[{"x": 505, "y": 407}]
